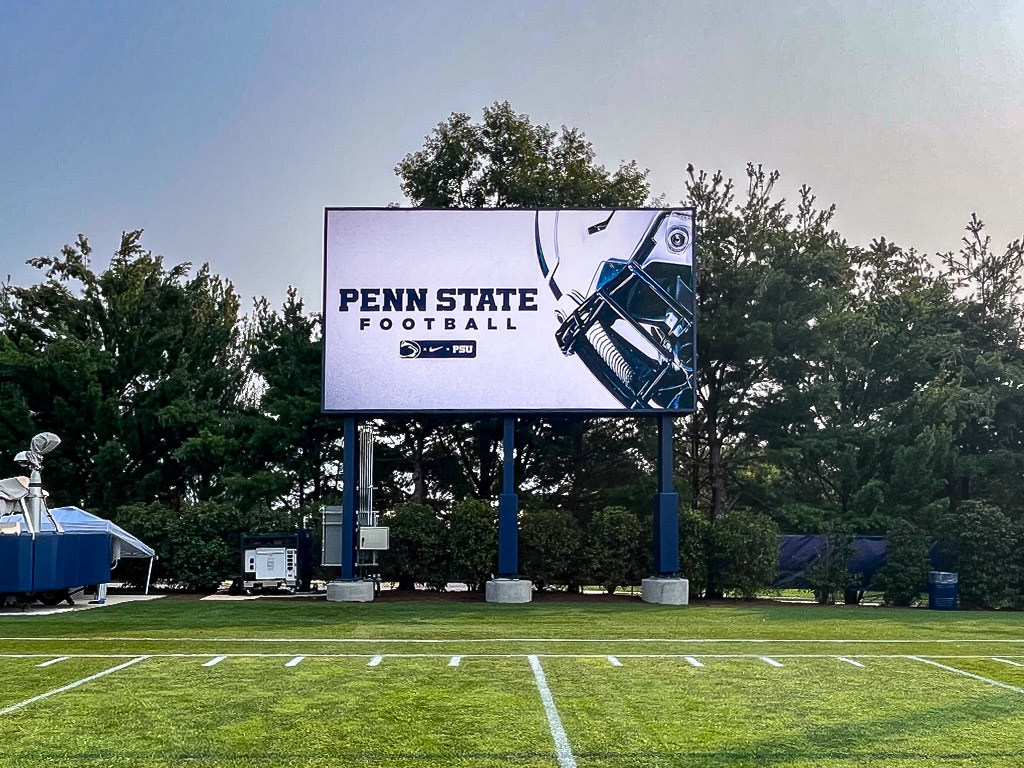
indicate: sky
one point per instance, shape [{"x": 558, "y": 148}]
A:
[{"x": 224, "y": 128}]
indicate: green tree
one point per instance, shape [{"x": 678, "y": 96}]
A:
[
  {"x": 290, "y": 453},
  {"x": 506, "y": 161},
  {"x": 551, "y": 548},
  {"x": 985, "y": 375},
  {"x": 694, "y": 531},
  {"x": 139, "y": 367},
  {"x": 829, "y": 573},
  {"x": 986, "y": 545},
  {"x": 743, "y": 555},
  {"x": 905, "y": 573},
  {"x": 767, "y": 278},
  {"x": 613, "y": 548},
  {"x": 419, "y": 547},
  {"x": 862, "y": 435},
  {"x": 473, "y": 542}
]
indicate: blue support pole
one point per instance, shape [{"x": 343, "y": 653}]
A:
[
  {"x": 508, "y": 507},
  {"x": 666, "y": 505},
  {"x": 349, "y": 497}
]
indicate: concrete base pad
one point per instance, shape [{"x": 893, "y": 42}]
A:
[
  {"x": 350, "y": 591},
  {"x": 666, "y": 591},
  {"x": 509, "y": 591}
]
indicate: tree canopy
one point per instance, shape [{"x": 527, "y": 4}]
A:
[{"x": 864, "y": 388}]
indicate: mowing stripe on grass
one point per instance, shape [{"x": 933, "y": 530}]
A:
[
  {"x": 971, "y": 675},
  {"x": 295, "y": 661},
  {"x": 772, "y": 662},
  {"x": 614, "y": 661},
  {"x": 692, "y": 661},
  {"x": 69, "y": 686},
  {"x": 848, "y": 660},
  {"x": 375, "y": 661},
  {"x": 562, "y": 749},
  {"x": 53, "y": 661},
  {"x": 1007, "y": 661},
  {"x": 454, "y": 661},
  {"x": 214, "y": 661}
]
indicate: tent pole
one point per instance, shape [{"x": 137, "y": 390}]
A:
[{"x": 149, "y": 573}]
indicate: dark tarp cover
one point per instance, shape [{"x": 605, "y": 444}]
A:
[{"x": 798, "y": 552}]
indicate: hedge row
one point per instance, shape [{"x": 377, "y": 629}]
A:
[{"x": 734, "y": 555}]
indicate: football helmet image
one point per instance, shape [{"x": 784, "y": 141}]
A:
[{"x": 624, "y": 285}]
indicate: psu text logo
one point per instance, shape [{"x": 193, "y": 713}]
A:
[{"x": 412, "y": 350}]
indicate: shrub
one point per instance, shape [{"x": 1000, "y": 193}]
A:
[
  {"x": 743, "y": 553},
  {"x": 693, "y": 562},
  {"x": 829, "y": 574},
  {"x": 986, "y": 544},
  {"x": 419, "y": 547},
  {"x": 550, "y": 548},
  {"x": 905, "y": 574},
  {"x": 199, "y": 545},
  {"x": 613, "y": 548},
  {"x": 473, "y": 542}
]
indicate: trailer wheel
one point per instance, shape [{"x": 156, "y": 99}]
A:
[{"x": 52, "y": 598}]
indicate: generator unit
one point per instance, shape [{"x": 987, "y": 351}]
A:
[{"x": 278, "y": 561}]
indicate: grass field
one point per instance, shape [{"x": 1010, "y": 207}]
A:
[{"x": 288, "y": 683}]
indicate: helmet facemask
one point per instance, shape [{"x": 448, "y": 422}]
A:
[{"x": 634, "y": 327}]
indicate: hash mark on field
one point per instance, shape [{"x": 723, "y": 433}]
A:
[
  {"x": 375, "y": 661},
  {"x": 69, "y": 686},
  {"x": 692, "y": 661},
  {"x": 53, "y": 661},
  {"x": 854, "y": 662},
  {"x": 562, "y": 749},
  {"x": 295, "y": 661},
  {"x": 771, "y": 661},
  {"x": 614, "y": 661},
  {"x": 971, "y": 675},
  {"x": 1007, "y": 661},
  {"x": 214, "y": 661},
  {"x": 454, "y": 661}
]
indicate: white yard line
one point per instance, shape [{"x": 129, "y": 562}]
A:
[
  {"x": 69, "y": 686},
  {"x": 454, "y": 661},
  {"x": 214, "y": 661},
  {"x": 375, "y": 661},
  {"x": 692, "y": 661},
  {"x": 295, "y": 661},
  {"x": 848, "y": 660},
  {"x": 254, "y": 655},
  {"x": 53, "y": 661},
  {"x": 690, "y": 640},
  {"x": 614, "y": 661},
  {"x": 771, "y": 662},
  {"x": 971, "y": 675},
  {"x": 1007, "y": 661},
  {"x": 562, "y": 749}
]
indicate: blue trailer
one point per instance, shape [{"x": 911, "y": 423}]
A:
[{"x": 48, "y": 555}]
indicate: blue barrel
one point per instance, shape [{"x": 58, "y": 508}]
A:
[{"x": 943, "y": 590}]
